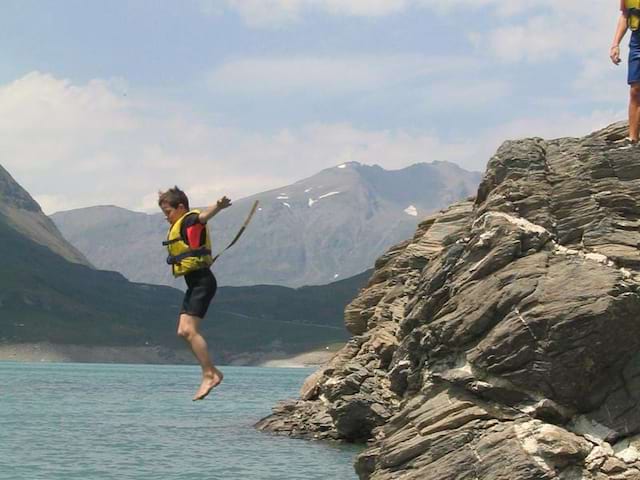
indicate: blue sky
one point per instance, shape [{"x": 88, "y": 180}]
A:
[{"x": 107, "y": 102}]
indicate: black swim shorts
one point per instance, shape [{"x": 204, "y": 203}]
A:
[{"x": 201, "y": 287}]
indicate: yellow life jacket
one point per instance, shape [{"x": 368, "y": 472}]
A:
[
  {"x": 182, "y": 258},
  {"x": 633, "y": 14}
]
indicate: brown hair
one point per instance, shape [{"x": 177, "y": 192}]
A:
[{"x": 174, "y": 197}]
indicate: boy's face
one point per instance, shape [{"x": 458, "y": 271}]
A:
[{"x": 172, "y": 214}]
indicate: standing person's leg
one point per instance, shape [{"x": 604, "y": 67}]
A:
[
  {"x": 633, "y": 79},
  {"x": 211, "y": 376},
  {"x": 634, "y": 112}
]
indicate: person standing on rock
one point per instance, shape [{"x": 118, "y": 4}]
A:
[
  {"x": 189, "y": 246},
  {"x": 630, "y": 20}
]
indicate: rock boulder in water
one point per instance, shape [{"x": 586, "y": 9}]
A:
[{"x": 503, "y": 340}]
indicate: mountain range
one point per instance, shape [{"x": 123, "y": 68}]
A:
[
  {"x": 330, "y": 226},
  {"x": 49, "y": 293}
]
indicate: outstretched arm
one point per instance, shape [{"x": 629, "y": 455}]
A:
[
  {"x": 212, "y": 211},
  {"x": 621, "y": 30}
]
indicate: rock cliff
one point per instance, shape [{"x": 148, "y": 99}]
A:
[
  {"x": 503, "y": 340},
  {"x": 23, "y": 213}
]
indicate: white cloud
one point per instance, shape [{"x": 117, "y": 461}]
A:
[
  {"x": 534, "y": 30},
  {"x": 56, "y": 105},
  {"x": 482, "y": 144},
  {"x": 367, "y": 8},
  {"x": 535, "y": 40},
  {"x": 551, "y": 35},
  {"x": 266, "y": 12},
  {"x": 462, "y": 95},
  {"x": 330, "y": 145},
  {"x": 595, "y": 83},
  {"x": 272, "y": 13},
  {"x": 286, "y": 75},
  {"x": 557, "y": 126},
  {"x": 540, "y": 30},
  {"x": 60, "y": 112},
  {"x": 56, "y": 203},
  {"x": 80, "y": 145},
  {"x": 501, "y": 8},
  {"x": 551, "y": 31}
]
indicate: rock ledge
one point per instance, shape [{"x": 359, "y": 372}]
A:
[{"x": 503, "y": 340}]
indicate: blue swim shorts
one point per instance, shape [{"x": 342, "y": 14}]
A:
[{"x": 634, "y": 58}]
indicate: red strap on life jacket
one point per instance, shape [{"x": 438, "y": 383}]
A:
[{"x": 193, "y": 235}]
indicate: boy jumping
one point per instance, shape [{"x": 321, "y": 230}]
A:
[
  {"x": 630, "y": 20},
  {"x": 189, "y": 246}
]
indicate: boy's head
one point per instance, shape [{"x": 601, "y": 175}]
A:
[{"x": 173, "y": 203}]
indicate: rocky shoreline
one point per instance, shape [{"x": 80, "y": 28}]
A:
[
  {"x": 48, "y": 352},
  {"x": 503, "y": 340}
]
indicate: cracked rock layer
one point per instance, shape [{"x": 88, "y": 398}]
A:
[{"x": 502, "y": 341}]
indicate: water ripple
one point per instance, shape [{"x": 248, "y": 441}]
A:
[{"x": 81, "y": 421}]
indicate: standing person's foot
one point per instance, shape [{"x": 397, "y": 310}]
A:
[
  {"x": 209, "y": 382},
  {"x": 628, "y": 142}
]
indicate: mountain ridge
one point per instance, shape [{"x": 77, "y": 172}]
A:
[
  {"x": 328, "y": 226},
  {"x": 25, "y": 215},
  {"x": 45, "y": 298}
]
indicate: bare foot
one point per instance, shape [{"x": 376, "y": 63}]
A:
[{"x": 209, "y": 382}]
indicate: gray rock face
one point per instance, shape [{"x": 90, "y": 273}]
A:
[
  {"x": 321, "y": 229},
  {"x": 24, "y": 214},
  {"x": 502, "y": 341}
]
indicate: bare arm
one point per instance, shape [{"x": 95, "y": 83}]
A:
[
  {"x": 212, "y": 211},
  {"x": 621, "y": 30}
]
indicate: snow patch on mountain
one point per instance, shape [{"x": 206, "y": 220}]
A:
[
  {"x": 328, "y": 195},
  {"x": 306, "y": 246}
]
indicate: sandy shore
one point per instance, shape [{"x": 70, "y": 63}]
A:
[
  {"x": 309, "y": 359},
  {"x": 47, "y": 352}
]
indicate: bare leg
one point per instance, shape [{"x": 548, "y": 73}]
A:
[
  {"x": 634, "y": 112},
  {"x": 211, "y": 376}
]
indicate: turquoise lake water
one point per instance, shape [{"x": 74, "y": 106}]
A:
[{"x": 88, "y": 421}]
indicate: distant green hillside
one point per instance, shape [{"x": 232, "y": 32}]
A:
[
  {"x": 50, "y": 293},
  {"x": 43, "y": 297},
  {"x": 266, "y": 317}
]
